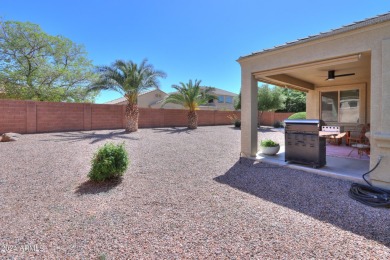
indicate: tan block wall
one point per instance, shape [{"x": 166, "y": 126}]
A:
[
  {"x": 150, "y": 118},
  {"x": 270, "y": 118},
  {"x": 13, "y": 116},
  {"x": 107, "y": 116},
  {"x": 38, "y": 117},
  {"x": 53, "y": 116}
]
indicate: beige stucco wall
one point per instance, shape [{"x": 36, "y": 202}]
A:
[
  {"x": 167, "y": 106},
  {"x": 147, "y": 99},
  {"x": 374, "y": 39},
  {"x": 224, "y": 106},
  {"x": 154, "y": 99}
]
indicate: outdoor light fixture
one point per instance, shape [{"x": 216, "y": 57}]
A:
[{"x": 332, "y": 75}]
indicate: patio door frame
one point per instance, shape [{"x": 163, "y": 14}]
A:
[{"x": 362, "y": 87}]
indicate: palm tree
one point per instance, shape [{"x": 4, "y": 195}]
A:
[
  {"x": 129, "y": 79},
  {"x": 191, "y": 95}
]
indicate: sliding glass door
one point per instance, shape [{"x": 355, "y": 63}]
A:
[{"x": 342, "y": 106}]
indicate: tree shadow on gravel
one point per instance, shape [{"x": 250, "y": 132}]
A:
[
  {"x": 94, "y": 137},
  {"x": 323, "y": 198},
  {"x": 267, "y": 129},
  {"x": 174, "y": 130},
  {"x": 91, "y": 187}
]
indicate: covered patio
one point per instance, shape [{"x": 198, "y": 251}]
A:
[
  {"x": 337, "y": 167},
  {"x": 346, "y": 75}
]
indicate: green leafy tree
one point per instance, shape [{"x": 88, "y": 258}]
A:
[
  {"x": 237, "y": 102},
  {"x": 191, "y": 95},
  {"x": 38, "y": 66},
  {"x": 129, "y": 79},
  {"x": 269, "y": 98},
  {"x": 295, "y": 101}
]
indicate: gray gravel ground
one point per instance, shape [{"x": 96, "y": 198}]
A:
[{"x": 185, "y": 195}]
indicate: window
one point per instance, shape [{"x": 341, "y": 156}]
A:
[
  {"x": 221, "y": 99},
  {"x": 229, "y": 99},
  {"x": 341, "y": 106},
  {"x": 329, "y": 106}
]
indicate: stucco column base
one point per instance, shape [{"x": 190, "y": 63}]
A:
[
  {"x": 380, "y": 177},
  {"x": 380, "y": 140}
]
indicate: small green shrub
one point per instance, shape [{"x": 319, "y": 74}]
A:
[
  {"x": 278, "y": 124},
  {"x": 110, "y": 161},
  {"x": 268, "y": 143},
  {"x": 299, "y": 115}
]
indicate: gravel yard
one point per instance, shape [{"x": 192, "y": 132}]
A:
[{"x": 185, "y": 195}]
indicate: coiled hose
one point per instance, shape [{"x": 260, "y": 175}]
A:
[{"x": 370, "y": 195}]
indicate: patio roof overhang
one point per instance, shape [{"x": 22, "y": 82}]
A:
[
  {"x": 362, "y": 49},
  {"x": 308, "y": 76}
]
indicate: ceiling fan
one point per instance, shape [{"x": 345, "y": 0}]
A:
[{"x": 332, "y": 75}]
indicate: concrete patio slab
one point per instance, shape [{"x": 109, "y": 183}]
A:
[{"x": 340, "y": 168}]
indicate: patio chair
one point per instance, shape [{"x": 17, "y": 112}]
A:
[
  {"x": 359, "y": 141},
  {"x": 358, "y": 135}
]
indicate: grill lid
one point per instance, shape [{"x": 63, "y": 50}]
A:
[{"x": 304, "y": 121}]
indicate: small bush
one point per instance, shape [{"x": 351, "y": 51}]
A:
[
  {"x": 268, "y": 143},
  {"x": 110, "y": 161},
  {"x": 235, "y": 120},
  {"x": 299, "y": 115},
  {"x": 278, "y": 124}
]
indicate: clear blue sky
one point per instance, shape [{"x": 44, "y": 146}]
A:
[{"x": 188, "y": 39}]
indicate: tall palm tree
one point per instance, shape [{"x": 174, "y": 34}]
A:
[
  {"x": 129, "y": 79},
  {"x": 190, "y": 95}
]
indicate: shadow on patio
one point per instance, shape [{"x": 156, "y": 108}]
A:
[{"x": 320, "y": 197}]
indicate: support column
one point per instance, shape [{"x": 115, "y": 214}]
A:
[
  {"x": 124, "y": 119},
  {"x": 87, "y": 124},
  {"x": 31, "y": 117},
  {"x": 248, "y": 114},
  {"x": 380, "y": 127},
  {"x": 312, "y": 105}
]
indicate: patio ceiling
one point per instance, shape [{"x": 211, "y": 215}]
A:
[{"x": 310, "y": 75}]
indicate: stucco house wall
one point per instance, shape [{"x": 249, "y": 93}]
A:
[
  {"x": 155, "y": 99},
  {"x": 145, "y": 100}
]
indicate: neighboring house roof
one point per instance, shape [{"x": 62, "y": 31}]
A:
[
  {"x": 123, "y": 99},
  {"x": 116, "y": 101},
  {"x": 354, "y": 26},
  {"x": 218, "y": 92}
]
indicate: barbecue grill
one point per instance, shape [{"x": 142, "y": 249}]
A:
[{"x": 303, "y": 143}]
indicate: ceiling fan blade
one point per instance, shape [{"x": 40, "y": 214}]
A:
[
  {"x": 332, "y": 76},
  {"x": 344, "y": 75}
]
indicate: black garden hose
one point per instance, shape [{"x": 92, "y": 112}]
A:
[{"x": 368, "y": 194}]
